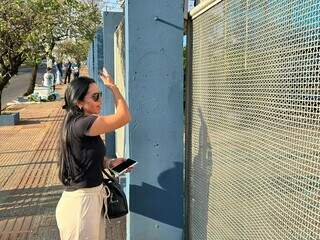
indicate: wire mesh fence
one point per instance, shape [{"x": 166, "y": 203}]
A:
[{"x": 254, "y": 139}]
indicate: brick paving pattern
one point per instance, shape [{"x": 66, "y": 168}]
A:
[{"x": 29, "y": 186}]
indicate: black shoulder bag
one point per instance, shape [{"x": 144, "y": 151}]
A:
[{"x": 116, "y": 201}]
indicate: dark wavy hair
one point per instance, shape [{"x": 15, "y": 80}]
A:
[{"x": 76, "y": 91}]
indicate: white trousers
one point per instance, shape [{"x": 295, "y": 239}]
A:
[
  {"x": 79, "y": 214},
  {"x": 58, "y": 78}
]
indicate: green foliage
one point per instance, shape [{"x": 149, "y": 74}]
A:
[
  {"x": 72, "y": 49},
  {"x": 16, "y": 24},
  {"x": 30, "y": 29},
  {"x": 63, "y": 21},
  {"x": 76, "y": 30}
]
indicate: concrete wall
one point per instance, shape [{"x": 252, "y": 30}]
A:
[
  {"x": 96, "y": 61},
  {"x": 110, "y": 22},
  {"x": 119, "y": 69},
  {"x": 154, "y": 83},
  {"x": 90, "y": 60},
  {"x": 95, "y": 58}
]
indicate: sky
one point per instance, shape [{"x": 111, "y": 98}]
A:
[{"x": 113, "y": 5}]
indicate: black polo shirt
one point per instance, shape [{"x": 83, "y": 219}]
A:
[{"x": 87, "y": 153}]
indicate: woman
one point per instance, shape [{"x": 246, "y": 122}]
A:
[{"x": 81, "y": 157}]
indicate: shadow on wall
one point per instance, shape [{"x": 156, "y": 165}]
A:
[
  {"x": 200, "y": 182},
  {"x": 161, "y": 204}
]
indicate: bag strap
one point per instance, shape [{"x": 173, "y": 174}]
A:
[{"x": 108, "y": 175}]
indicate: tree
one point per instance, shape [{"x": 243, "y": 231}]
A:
[
  {"x": 71, "y": 21},
  {"x": 71, "y": 48},
  {"x": 46, "y": 13},
  {"x": 29, "y": 29},
  {"x": 15, "y": 26}
]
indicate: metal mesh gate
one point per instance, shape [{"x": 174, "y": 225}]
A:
[{"x": 253, "y": 141}]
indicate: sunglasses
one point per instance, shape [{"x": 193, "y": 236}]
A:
[{"x": 96, "y": 96}]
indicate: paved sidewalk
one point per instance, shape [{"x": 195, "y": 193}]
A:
[{"x": 29, "y": 186}]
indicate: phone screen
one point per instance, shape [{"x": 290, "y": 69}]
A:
[{"x": 123, "y": 166}]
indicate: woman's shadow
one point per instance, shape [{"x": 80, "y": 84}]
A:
[
  {"x": 166, "y": 204},
  {"x": 199, "y": 176},
  {"x": 162, "y": 204}
]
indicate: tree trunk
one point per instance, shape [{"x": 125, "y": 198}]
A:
[
  {"x": 3, "y": 82},
  {"x": 32, "y": 80},
  {"x": 7, "y": 71}
]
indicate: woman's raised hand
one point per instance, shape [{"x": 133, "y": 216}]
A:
[{"x": 106, "y": 78}]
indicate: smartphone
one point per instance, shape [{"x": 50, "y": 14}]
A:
[{"x": 122, "y": 167}]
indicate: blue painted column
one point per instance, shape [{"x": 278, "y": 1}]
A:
[
  {"x": 154, "y": 86},
  {"x": 110, "y": 22},
  {"x": 97, "y": 63},
  {"x": 90, "y": 60},
  {"x": 97, "y": 55},
  {"x": 101, "y": 41},
  {"x": 92, "y": 56}
]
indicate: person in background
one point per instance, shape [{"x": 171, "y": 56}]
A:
[
  {"x": 79, "y": 212},
  {"x": 68, "y": 72},
  {"x": 75, "y": 69},
  {"x": 49, "y": 63},
  {"x": 48, "y": 79},
  {"x": 58, "y": 72}
]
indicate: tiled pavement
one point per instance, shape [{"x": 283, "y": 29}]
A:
[{"x": 29, "y": 187}]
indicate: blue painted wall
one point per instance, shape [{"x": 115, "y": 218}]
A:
[
  {"x": 154, "y": 80},
  {"x": 97, "y": 55},
  {"x": 110, "y": 22},
  {"x": 90, "y": 60},
  {"x": 96, "y": 61}
]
